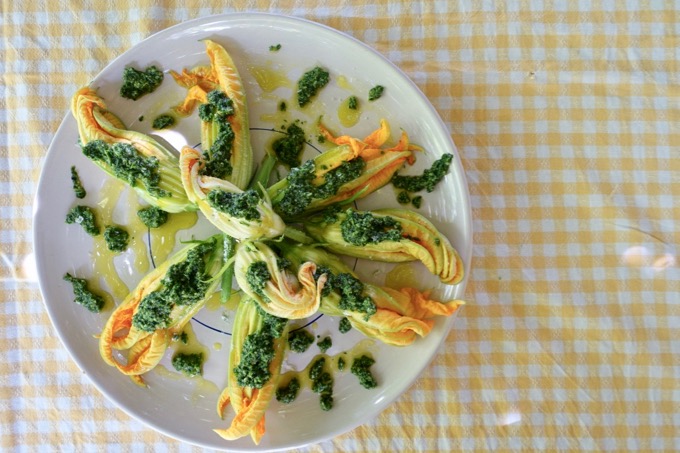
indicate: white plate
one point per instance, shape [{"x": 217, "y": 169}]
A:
[{"x": 180, "y": 407}]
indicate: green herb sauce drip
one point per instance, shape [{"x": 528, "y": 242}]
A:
[
  {"x": 240, "y": 205},
  {"x": 345, "y": 325},
  {"x": 77, "y": 185},
  {"x": 257, "y": 277},
  {"x": 300, "y": 340},
  {"x": 258, "y": 352},
  {"x": 287, "y": 394},
  {"x": 428, "y": 180},
  {"x": 361, "y": 369},
  {"x": 163, "y": 121},
  {"x": 362, "y": 228},
  {"x": 325, "y": 344},
  {"x": 184, "y": 283},
  {"x": 83, "y": 296},
  {"x": 375, "y": 92},
  {"x": 181, "y": 337},
  {"x": 350, "y": 289},
  {"x": 352, "y": 103},
  {"x": 322, "y": 383},
  {"x": 128, "y": 164},
  {"x": 116, "y": 238},
  {"x": 341, "y": 363},
  {"x": 138, "y": 83},
  {"x": 275, "y": 48},
  {"x": 188, "y": 364},
  {"x": 301, "y": 191},
  {"x": 152, "y": 216},
  {"x": 289, "y": 148},
  {"x": 84, "y": 216},
  {"x": 310, "y": 83},
  {"x": 218, "y": 109}
]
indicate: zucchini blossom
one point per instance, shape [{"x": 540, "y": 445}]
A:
[
  {"x": 240, "y": 214},
  {"x": 262, "y": 275},
  {"x": 397, "y": 317},
  {"x": 392, "y": 235},
  {"x": 161, "y": 305},
  {"x": 258, "y": 343},
  {"x": 133, "y": 157}
]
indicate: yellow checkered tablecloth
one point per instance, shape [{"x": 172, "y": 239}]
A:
[{"x": 567, "y": 118}]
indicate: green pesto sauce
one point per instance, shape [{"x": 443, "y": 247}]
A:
[
  {"x": 258, "y": 352},
  {"x": 282, "y": 106},
  {"x": 240, "y": 205},
  {"x": 138, "y": 83},
  {"x": 84, "y": 216},
  {"x": 116, "y": 238},
  {"x": 275, "y": 48},
  {"x": 428, "y": 180},
  {"x": 257, "y": 276},
  {"x": 287, "y": 394},
  {"x": 345, "y": 325},
  {"x": 188, "y": 364},
  {"x": 361, "y": 369},
  {"x": 217, "y": 110},
  {"x": 322, "y": 383},
  {"x": 77, "y": 185},
  {"x": 375, "y": 92},
  {"x": 352, "y": 103},
  {"x": 152, "y": 216},
  {"x": 163, "y": 121},
  {"x": 127, "y": 164},
  {"x": 310, "y": 83},
  {"x": 300, "y": 340},
  {"x": 325, "y": 344},
  {"x": 83, "y": 296},
  {"x": 181, "y": 337},
  {"x": 350, "y": 290},
  {"x": 289, "y": 148},
  {"x": 341, "y": 363},
  {"x": 417, "y": 202},
  {"x": 362, "y": 228},
  {"x": 403, "y": 197}
]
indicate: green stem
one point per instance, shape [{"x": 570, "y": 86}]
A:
[
  {"x": 227, "y": 277},
  {"x": 263, "y": 173},
  {"x": 296, "y": 235}
]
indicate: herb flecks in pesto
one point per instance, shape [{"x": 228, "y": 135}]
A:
[
  {"x": 258, "y": 352},
  {"x": 288, "y": 149},
  {"x": 275, "y": 48},
  {"x": 240, "y": 205},
  {"x": 341, "y": 363},
  {"x": 83, "y": 216},
  {"x": 138, "y": 83},
  {"x": 345, "y": 325},
  {"x": 325, "y": 344},
  {"x": 403, "y": 197},
  {"x": 188, "y": 364},
  {"x": 181, "y": 337},
  {"x": 300, "y": 340},
  {"x": 350, "y": 289},
  {"x": 257, "y": 276},
  {"x": 375, "y": 92},
  {"x": 428, "y": 180},
  {"x": 116, "y": 238},
  {"x": 322, "y": 383},
  {"x": 362, "y": 228},
  {"x": 352, "y": 103},
  {"x": 83, "y": 296},
  {"x": 310, "y": 83},
  {"x": 152, "y": 216},
  {"x": 287, "y": 394},
  {"x": 77, "y": 185},
  {"x": 128, "y": 164},
  {"x": 417, "y": 202},
  {"x": 163, "y": 121},
  {"x": 361, "y": 369},
  {"x": 217, "y": 110},
  {"x": 282, "y": 106}
]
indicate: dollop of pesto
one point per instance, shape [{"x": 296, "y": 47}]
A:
[
  {"x": 310, "y": 83},
  {"x": 403, "y": 197},
  {"x": 287, "y": 394},
  {"x": 84, "y": 216},
  {"x": 217, "y": 110},
  {"x": 300, "y": 340},
  {"x": 361, "y": 228},
  {"x": 352, "y": 103},
  {"x": 375, "y": 92},
  {"x": 257, "y": 276},
  {"x": 282, "y": 106},
  {"x": 325, "y": 344},
  {"x": 417, "y": 202},
  {"x": 163, "y": 121},
  {"x": 258, "y": 352},
  {"x": 152, "y": 216},
  {"x": 345, "y": 325},
  {"x": 181, "y": 337},
  {"x": 428, "y": 180},
  {"x": 116, "y": 238},
  {"x": 322, "y": 383},
  {"x": 83, "y": 296},
  {"x": 188, "y": 364},
  {"x": 288, "y": 149},
  {"x": 350, "y": 289},
  {"x": 138, "y": 83},
  {"x": 341, "y": 363},
  {"x": 275, "y": 48},
  {"x": 77, "y": 185},
  {"x": 361, "y": 369},
  {"x": 240, "y": 205},
  {"x": 128, "y": 164}
]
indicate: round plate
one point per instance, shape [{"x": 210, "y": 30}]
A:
[{"x": 185, "y": 408}]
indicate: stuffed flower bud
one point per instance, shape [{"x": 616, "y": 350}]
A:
[
  {"x": 258, "y": 343},
  {"x": 240, "y": 214},
  {"x": 161, "y": 305},
  {"x": 394, "y": 317},
  {"x": 392, "y": 235},
  {"x": 130, "y": 156},
  {"x": 262, "y": 275},
  {"x": 352, "y": 170},
  {"x": 225, "y": 133}
]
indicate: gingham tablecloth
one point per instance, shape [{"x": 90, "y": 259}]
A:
[{"x": 566, "y": 116}]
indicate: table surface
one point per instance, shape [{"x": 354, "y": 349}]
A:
[{"x": 567, "y": 120}]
